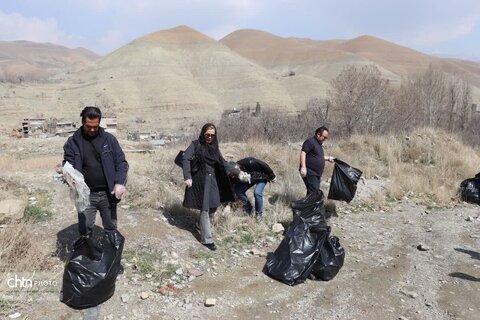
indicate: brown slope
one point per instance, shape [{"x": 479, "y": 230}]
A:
[
  {"x": 466, "y": 70},
  {"x": 324, "y": 59},
  {"x": 269, "y": 50},
  {"x": 177, "y": 35},
  {"x": 403, "y": 60},
  {"x": 319, "y": 59},
  {"x": 35, "y": 61},
  {"x": 394, "y": 57}
]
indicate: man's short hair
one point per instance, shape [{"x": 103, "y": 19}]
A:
[
  {"x": 320, "y": 130},
  {"x": 91, "y": 113}
]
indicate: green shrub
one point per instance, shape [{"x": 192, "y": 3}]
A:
[{"x": 34, "y": 213}]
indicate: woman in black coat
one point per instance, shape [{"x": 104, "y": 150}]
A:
[{"x": 206, "y": 180}]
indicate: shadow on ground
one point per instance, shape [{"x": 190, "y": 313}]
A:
[
  {"x": 464, "y": 276},
  {"x": 182, "y": 218},
  {"x": 473, "y": 254}
]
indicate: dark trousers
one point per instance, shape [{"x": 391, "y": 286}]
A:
[
  {"x": 99, "y": 201},
  {"x": 312, "y": 183}
]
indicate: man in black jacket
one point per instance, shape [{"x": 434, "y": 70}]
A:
[
  {"x": 99, "y": 157},
  {"x": 260, "y": 174}
]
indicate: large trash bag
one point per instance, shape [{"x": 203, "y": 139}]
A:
[
  {"x": 344, "y": 182},
  {"x": 470, "y": 190},
  {"x": 311, "y": 209},
  {"x": 293, "y": 259},
  {"x": 91, "y": 271},
  {"x": 329, "y": 261}
]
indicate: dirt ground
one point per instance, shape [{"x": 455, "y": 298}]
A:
[{"x": 385, "y": 274}]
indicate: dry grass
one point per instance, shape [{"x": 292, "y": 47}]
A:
[
  {"x": 13, "y": 163},
  {"x": 20, "y": 250},
  {"x": 425, "y": 164}
]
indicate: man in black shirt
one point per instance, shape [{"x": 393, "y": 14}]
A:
[
  {"x": 99, "y": 157},
  {"x": 312, "y": 159}
]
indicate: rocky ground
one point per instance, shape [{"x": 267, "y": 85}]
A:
[{"x": 403, "y": 261}]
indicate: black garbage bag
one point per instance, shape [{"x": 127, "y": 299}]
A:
[
  {"x": 91, "y": 271},
  {"x": 470, "y": 190},
  {"x": 293, "y": 259},
  {"x": 329, "y": 261},
  {"x": 344, "y": 182},
  {"x": 311, "y": 209}
]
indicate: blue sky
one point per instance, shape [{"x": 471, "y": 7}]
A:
[{"x": 438, "y": 27}]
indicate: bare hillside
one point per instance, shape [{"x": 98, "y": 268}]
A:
[
  {"x": 168, "y": 78},
  {"x": 326, "y": 58},
  {"x": 173, "y": 78},
  {"x": 320, "y": 59},
  {"x": 25, "y": 60}
]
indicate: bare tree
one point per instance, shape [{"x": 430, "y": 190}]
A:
[
  {"x": 464, "y": 104},
  {"x": 433, "y": 93},
  {"x": 360, "y": 98}
]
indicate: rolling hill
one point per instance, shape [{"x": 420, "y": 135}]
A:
[
  {"x": 26, "y": 60},
  {"x": 172, "y": 78}
]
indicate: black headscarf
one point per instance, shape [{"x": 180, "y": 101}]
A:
[{"x": 209, "y": 153}]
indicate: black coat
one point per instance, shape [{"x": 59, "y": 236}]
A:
[
  {"x": 258, "y": 169},
  {"x": 220, "y": 189}
]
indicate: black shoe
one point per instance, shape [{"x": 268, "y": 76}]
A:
[{"x": 210, "y": 246}]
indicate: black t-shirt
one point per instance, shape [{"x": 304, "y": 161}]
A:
[
  {"x": 92, "y": 169},
  {"x": 315, "y": 160}
]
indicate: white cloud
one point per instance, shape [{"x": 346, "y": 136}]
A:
[{"x": 15, "y": 26}]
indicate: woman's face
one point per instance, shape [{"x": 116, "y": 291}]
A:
[{"x": 209, "y": 135}]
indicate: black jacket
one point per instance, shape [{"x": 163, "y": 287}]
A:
[
  {"x": 114, "y": 164},
  {"x": 258, "y": 169}
]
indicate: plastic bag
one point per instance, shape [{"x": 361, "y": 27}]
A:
[
  {"x": 294, "y": 258},
  {"x": 329, "y": 261},
  {"x": 91, "y": 272},
  {"x": 311, "y": 209},
  {"x": 470, "y": 190},
  {"x": 292, "y": 261},
  {"x": 344, "y": 182},
  {"x": 79, "y": 191},
  {"x": 244, "y": 177}
]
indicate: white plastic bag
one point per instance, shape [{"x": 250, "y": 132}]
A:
[
  {"x": 244, "y": 177},
  {"x": 79, "y": 191}
]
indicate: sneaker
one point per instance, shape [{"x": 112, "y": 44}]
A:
[{"x": 210, "y": 246}]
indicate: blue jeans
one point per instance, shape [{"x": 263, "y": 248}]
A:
[
  {"x": 241, "y": 189},
  {"x": 312, "y": 183}
]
